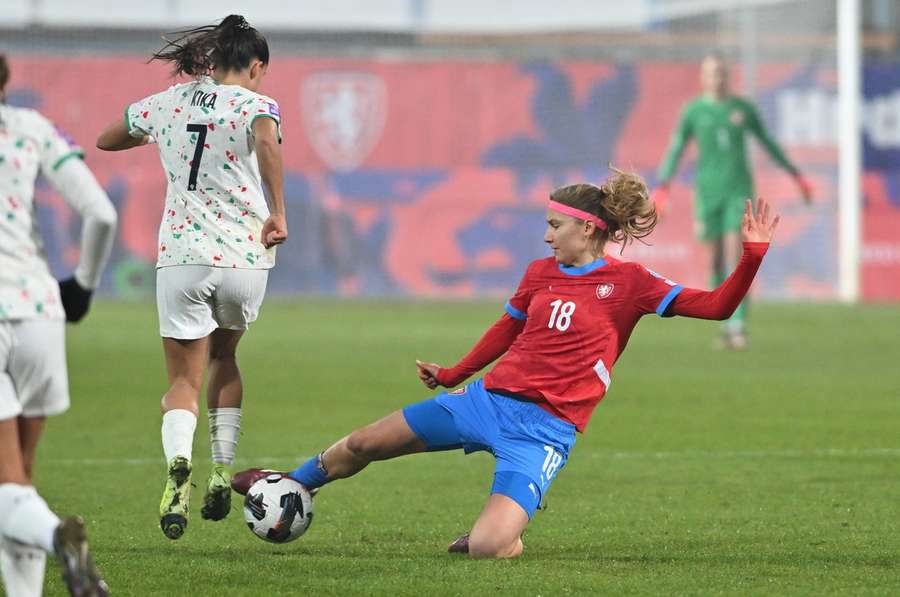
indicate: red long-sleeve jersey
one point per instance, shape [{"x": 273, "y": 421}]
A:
[{"x": 565, "y": 327}]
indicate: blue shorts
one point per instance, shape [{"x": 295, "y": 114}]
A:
[{"x": 529, "y": 444}]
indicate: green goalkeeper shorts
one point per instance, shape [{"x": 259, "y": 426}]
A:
[{"x": 717, "y": 218}]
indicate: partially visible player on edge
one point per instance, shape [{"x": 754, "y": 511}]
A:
[
  {"x": 719, "y": 122},
  {"x": 563, "y": 331},
  {"x": 219, "y": 141},
  {"x": 33, "y": 310}
]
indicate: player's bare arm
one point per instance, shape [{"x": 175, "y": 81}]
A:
[
  {"x": 115, "y": 137},
  {"x": 268, "y": 152}
]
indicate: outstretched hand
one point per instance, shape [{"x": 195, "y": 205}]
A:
[
  {"x": 428, "y": 373},
  {"x": 757, "y": 228}
]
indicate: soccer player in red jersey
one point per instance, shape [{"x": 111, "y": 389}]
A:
[{"x": 558, "y": 341}]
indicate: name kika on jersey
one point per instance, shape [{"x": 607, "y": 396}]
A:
[{"x": 204, "y": 99}]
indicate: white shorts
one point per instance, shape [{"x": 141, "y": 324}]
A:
[
  {"x": 34, "y": 381},
  {"x": 195, "y": 300}
]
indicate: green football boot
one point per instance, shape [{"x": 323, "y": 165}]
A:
[
  {"x": 217, "y": 501},
  {"x": 173, "y": 509}
]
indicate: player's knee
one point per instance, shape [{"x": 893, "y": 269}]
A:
[
  {"x": 363, "y": 445},
  {"x": 223, "y": 364},
  {"x": 485, "y": 546},
  {"x": 222, "y": 354}
]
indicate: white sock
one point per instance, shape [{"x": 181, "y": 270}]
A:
[
  {"x": 26, "y": 516},
  {"x": 22, "y": 568},
  {"x": 224, "y": 428},
  {"x": 11, "y": 494},
  {"x": 178, "y": 427}
]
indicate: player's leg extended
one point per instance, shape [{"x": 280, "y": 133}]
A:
[
  {"x": 30, "y": 430},
  {"x": 387, "y": 438},
  {"x": 421, "y": 427},
  {"x": 224, "y": 393},
  {"x": 185, "y": 360}
]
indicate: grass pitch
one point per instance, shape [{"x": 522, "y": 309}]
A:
[{"x": 775, "y": 471}]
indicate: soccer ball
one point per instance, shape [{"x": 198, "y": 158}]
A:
[{"x": 278, "y": 509}]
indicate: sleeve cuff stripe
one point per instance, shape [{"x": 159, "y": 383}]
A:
[
  {"x": 664, "y": 304},
  {"x": 515, "y": 313},
  {"x": 75, "y": 153},
  {"x": 273, "y": 117}
]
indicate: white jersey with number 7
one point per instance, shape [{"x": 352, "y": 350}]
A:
[{"x": 215, "y": 207}]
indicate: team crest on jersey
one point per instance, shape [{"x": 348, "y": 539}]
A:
[
  {"x": 604, "y": 290},
  {"x": 344, "y": 114},
  {"x": 736, "y": 117}
]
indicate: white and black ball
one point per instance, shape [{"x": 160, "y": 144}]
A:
[{"x": 278, "y": 509}]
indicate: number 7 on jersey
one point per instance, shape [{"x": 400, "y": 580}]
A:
[{"x": 200, "y": 129}]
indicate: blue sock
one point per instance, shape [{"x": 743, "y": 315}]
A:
[{"x": 311, "y": 474}]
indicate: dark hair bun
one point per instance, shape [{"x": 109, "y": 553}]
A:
[{"x": 229, "y": 46}]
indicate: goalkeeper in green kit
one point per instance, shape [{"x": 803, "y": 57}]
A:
[{"x": 719, "y": 121}]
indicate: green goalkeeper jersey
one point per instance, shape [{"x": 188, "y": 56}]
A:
[{"x": 719, "y": 128}]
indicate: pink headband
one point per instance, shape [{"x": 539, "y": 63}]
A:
[{"x": 577, "y": 213}]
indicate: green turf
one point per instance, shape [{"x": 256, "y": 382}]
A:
[{"x": 775, "y": 471}]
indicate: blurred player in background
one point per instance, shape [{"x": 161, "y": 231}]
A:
[
  {"x": 563, "y": 331},
  {"x": 719, "y": 122},
  {"x": 218, "y": 140},
  {"x": 33, "y": 310}
]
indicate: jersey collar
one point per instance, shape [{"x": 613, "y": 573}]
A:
[{"x": 582, "y": 269}]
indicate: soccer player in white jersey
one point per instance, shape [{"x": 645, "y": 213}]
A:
[
  {"x": 218, "y": 141},
  {"x": 33, "y": 310}
]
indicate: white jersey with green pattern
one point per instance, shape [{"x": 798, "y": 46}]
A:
[
  {"x": 215, "y": 207},
  {"x": 29, "y": 145}
]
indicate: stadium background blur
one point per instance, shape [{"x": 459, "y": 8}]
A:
[{"x": 421, "y": 140}]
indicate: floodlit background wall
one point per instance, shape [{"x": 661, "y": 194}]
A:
[{"x": 422, "y": 137}]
